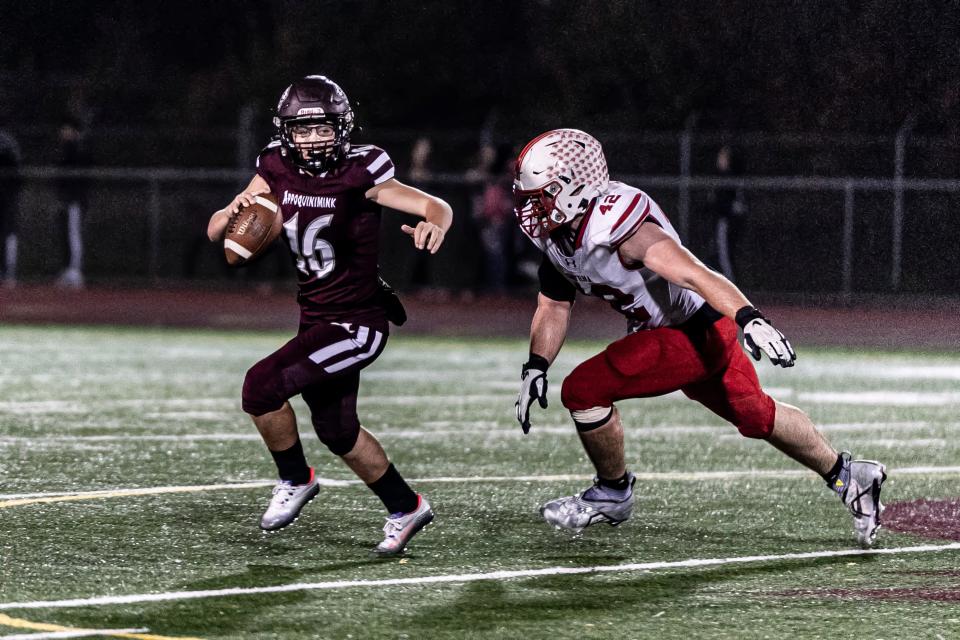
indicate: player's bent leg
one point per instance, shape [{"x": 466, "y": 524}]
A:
[
  {"x": 335, "y": 420},
  {"x": 795, "y": 435},
  {"x": 333, "y": 407},
  {"x": 278, "y": 428},
  {"x": 588, "y": 394},
  {"x": 602, "y": 439},
  {"x": 857, "y": 482},
  {"x": 735, "y": 395},
  {"x": 610, "y": 498},
  {"x": 264, "y": 391},
  {"x": 641, "y": 364},
  {"x": 366, "y": 458},
  {"x": 408, "y": 511},
  {"x": 297, "y": 485},
  {"x": 305, "y": 360}
]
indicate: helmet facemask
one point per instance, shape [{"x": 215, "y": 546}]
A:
[
  {"x": 537, "y": 210},
  {"x": 316, "y": 155}
]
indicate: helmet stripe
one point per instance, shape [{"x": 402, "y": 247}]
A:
[{"x": 530, "y": 144}]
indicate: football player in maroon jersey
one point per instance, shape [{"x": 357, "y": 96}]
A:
[{"x": 330, "y": 193}]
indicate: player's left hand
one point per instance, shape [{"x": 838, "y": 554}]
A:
[
  {"x": 426, "y": 235},
  {"x": 761, "y": 336},
  {"x": 533, "y": 386}
]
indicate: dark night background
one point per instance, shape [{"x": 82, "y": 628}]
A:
[
  {"x": 811, "y": 88},
  {"x": 858, "y": 66}
]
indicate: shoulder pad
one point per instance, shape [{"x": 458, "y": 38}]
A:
[
  {"x": 376, "y": 162},
  {"x": 628, "y": 210}
]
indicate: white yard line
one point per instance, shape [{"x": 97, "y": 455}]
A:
[
  {"x": 465, "y": 577},
  {"x": 484, "y": 429},
  {"x": 883, "y": 398},
  {"x": 876, "y": 397},
  {"x": 18, "y": 499},
  {"x": 71, "y": 634},
  {"x": 185, "y": 437}
]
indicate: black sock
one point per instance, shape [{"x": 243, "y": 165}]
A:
[
  {"x": 394, "y": 492},
  {"x": 834, "y": 473},
  {"x": 291, "y": 464},
  {"x": 620, "y": 484}
]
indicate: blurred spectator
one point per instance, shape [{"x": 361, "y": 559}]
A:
[
  {"x": 72, "y": 192},
  {"x": 420, "y": 170},
  {"x": 479, "y": 173},
  {"x": 419, "y": 174},
  {"x": 495, "y": 220},
  {"x": 476, "y": 178},
  {"x": 728, "y": 207},
  {"x": 9, "y": 205}
]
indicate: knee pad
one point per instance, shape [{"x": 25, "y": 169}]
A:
[
  {"x": 590, "y": 419},
  {"x": 339, "y": 433},
  {"x": 755, "y": 417},
  {"x": 586, "y": 389},
  {"x": 263, "y": 390}
]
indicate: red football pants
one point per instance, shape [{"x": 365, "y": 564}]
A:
[{"x": 703, "y": 360}]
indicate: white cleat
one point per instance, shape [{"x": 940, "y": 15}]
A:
[
  {"x": 859, "y": 488},
  {"x": 400, "y": 527},
  {"x": 287, "y": 501},
  {"x": 595, "y": 505}
]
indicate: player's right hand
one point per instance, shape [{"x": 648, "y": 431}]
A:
[
  {"x": 759, "y": 336},
  {"x": 244, "y": 199},
  {"x": 533, "y": 386},
  {"x": 426, "y": 235}
]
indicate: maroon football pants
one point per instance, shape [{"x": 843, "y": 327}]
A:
[
  {"x": 322, "y": 364},
  {"x": 704, "y": 360}
]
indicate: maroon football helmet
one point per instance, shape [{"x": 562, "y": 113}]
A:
[{"x": 314, "y": 100}]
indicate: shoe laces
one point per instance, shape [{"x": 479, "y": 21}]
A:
[
  {"x": 284, "y": 487},
  {"x": 394, "y": 524}
]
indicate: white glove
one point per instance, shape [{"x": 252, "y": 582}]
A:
[
  {"x": 533, "y": 386},
  {"x": 759, "y": 335}
]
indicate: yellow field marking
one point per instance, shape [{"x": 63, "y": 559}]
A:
[{"x": 17, "y": 623}]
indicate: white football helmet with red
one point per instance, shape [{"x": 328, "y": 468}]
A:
[{"x": 558, "y": 173}]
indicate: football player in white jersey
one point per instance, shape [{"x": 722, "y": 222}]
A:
[{"x": 609, "y": 239}]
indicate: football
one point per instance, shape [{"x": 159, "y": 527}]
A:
[{"x": 251, "y": 230}]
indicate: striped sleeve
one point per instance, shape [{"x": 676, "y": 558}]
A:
[
  {"x": 630, "y": 219},
  {"x": 378, "y": 165}
]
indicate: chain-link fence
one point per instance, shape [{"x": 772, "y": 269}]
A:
[{"x": 801, "y": 234}]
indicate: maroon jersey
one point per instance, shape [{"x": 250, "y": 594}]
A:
[{"x": 332, "y": 230}]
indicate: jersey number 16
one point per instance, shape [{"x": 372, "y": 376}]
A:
[{"x": 314, "y": 255}]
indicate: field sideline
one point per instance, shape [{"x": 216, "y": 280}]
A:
[{"x": 131, "y": 484}]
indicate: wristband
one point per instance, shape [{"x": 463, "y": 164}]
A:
[
  {"x": 536, "y": 362},
  {"x": 747, "y": 314}
]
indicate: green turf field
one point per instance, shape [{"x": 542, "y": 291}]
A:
[{"x": 87, "y": 410}]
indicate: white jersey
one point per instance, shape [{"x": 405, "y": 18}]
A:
[{"x": 645, "y": 298}]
